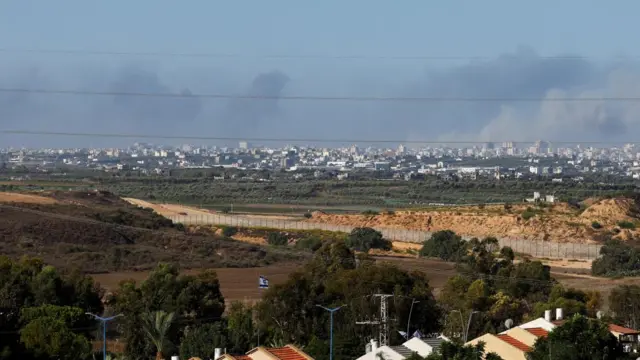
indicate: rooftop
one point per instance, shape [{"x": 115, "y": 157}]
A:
[
  {"x": 402, "y": 350},
  {"x": 623, "y": 330},
  {"x": 515, "y": 343},
  {"x": 538, "y": 332}
]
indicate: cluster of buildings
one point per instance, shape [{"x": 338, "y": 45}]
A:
[
  {"x": 507, "y": 160},
  {"x": 512, "y": 344}
]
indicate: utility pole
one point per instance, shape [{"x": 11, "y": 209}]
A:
[
  {"x": 413, "y": 302},
  {"x": 331, "y": 311},
  {"x": 104, "y": 331},
  {"x": 383, "y": 335}
]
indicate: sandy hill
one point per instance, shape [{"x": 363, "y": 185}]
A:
[
  {"x": 557, "y": 222},
  {"x": 99, "y": 232}
]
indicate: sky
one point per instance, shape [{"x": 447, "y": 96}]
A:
[{"x": 514, "y": 39}]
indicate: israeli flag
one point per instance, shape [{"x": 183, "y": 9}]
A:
[{"x": 263, "y": 282}]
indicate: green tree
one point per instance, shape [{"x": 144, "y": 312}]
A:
[
  {"x": 445, "y": 245},
  {"x": 580, "y": 338},
  {"x": 156, "y": 326},
  {"x": 366, "y": 238},
  {"x": 241, "y": 328},
  {"x": 617, "y": 259},
  {"x": 624, "y": 304},
  {"x": 311, "y": 243},
  {"x": 277, "y": 238},
  {"x": 201, "y": 341},
  {"x": 28, "y": 282},
  {"x": 331, "y": 279},
  {"x": 189, "y": 297},
  {"x": 48, "y": 332}
]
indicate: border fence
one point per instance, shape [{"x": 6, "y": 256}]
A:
[{"x": 536, "y": 248}]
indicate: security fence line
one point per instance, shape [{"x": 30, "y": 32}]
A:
[{"x": 536, "y": 248}]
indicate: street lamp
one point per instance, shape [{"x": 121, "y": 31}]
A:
[
  {"x": 104, "y": 321},
  {"x": 413, "y": 302},
  {"x": 331, "y": 311},
  {"x": 465, "y": 333}
]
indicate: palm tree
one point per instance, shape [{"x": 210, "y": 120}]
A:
[{"x": 156, "y": 325}]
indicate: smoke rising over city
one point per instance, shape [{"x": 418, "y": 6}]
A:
[{"x": 519, "y": 74}]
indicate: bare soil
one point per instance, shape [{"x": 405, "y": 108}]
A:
[
  {"x": 9, "y": 197},
  {"x": 558, "y": 222}
]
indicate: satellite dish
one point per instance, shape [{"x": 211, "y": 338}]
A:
[
  {"x": 600, "y": 314},
  {"x": 508, "y": 323}
]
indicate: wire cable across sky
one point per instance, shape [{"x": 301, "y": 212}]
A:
[
  {"x": 316, "y": 98},
  {"x": 279, "y": 56}
]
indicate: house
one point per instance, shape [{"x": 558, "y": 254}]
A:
[
  {"x": 288, "y": 352},
  {"x": 506, "y": 346},
  {"x": 423, "y": 347},
  {"x": 516, "y": 342},
  {"x": 627, "y": 337}
]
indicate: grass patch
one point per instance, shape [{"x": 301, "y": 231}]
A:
[{"x": 626, "y": 225}]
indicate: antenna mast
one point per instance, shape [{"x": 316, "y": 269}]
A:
[{"x": 383, "y": 321}]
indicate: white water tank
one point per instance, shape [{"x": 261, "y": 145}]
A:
[
  {"x": 175, "y": 357},
  {"x": 217, "y": 353},
  {"x": 374, "y": 346},
  {"x": 559, "y": 314},
  {"x": 547, "y": 315}
]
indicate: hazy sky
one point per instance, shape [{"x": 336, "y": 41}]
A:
[{"x": 515, "y": 36}]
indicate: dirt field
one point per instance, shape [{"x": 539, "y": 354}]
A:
[
  {"x": 242, "y": 284},
  {"x": 555, "y": 222},
  {"x": 8, "y": 197}
]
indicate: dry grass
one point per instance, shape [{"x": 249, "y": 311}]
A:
[{"x": 8, "y": 197}]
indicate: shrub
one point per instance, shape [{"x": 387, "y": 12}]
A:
[
  {"x": 596, "y": 225},
  {"x": 626, "y": 225},
  {"x": 277, "y": 238},
  {"x": 308, "y": 215},
  {"x": 311, "y": 243},
  {"x": 617, "y": 259},
  {"x": 370, "y": 213},
  {"x": 229, "y": 231},
  {"x": 508, "y": 206},
  {"x": 366, "y": 238},
  {"x": 445, "y": 245},
  {"x": 526, "y": 215}
]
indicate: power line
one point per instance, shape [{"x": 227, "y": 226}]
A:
[
  {"x": 292, "y": 140},
  {"x": 281, "y": 56},
  {"x": 187, "y": 95}
]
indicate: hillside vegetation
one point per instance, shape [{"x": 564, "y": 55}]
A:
[
  {"x": 99, "y": 232},
  {"x": 587, "y": 222}
]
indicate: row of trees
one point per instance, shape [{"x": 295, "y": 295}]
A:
[
  {"x": 354, "y": 191},
  {"x": 43, "y": 311}
]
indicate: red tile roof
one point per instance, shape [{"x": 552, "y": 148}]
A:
[
  {"x": 538, "y": 332},
  {"x": 622, "y": 330},
  {"x": 242, "y": 357},
  {"x": 286, "y": 353},
  {"x": 515, "y": 343}
]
